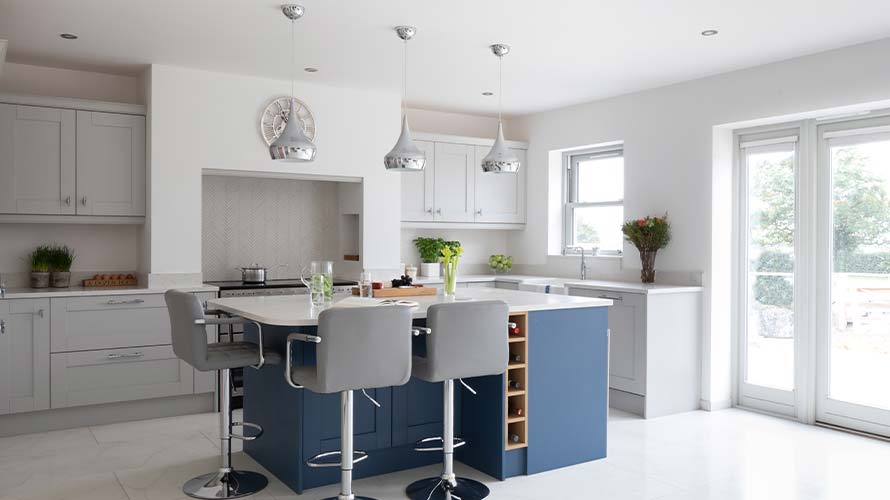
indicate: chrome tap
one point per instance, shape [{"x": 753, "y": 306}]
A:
[{"x": 583, "y": 262}]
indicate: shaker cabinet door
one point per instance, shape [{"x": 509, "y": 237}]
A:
[
  {"x": 110, "y": 164},
  {"x": 500, "y": 198},
  {"x": 454, "y": 182},
  {"x": 24, "y": 355},
  {"x": 417, "y": 188},
  {"x": 37, "y": 155}
]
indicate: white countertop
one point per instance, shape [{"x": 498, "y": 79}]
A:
[
  {"x": 612, "y": 286},
  {"x": 296, "y": 310},
  {"x": 79, "y": 291}
]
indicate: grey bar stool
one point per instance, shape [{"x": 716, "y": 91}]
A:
[
  {"x": 358, "y": 348},
  {"x": 464, "y": 339},
  {"x": 188, "y": 320}
]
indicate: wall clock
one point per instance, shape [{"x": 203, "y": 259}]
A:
[{"x": 275, "y": 118}]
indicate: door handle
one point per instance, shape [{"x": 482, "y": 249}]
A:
[
  {"x": 2, "y": 326},
  {"x": 429, "y": 210},
  {"x": 83, "y": 201},
  {"x": 113, "y": 302},
  {"x": 439, "y": 211},
  {"x": 68, "y": 201},
  {"x": 479, "y": 212},
  {"x": 136, "y": 354}
]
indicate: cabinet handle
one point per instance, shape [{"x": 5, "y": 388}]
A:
[
  {"x": 38, "y": 312},
  {"x": 136, "y": 354},
  {"x": 83, "y": 201},
  {"x": 113, "y": 302},
  {"x": 68, "y": 201},
  {"x": 609, "y": 297},
  {"x": 2, "y": 326},
  {"x": 429, "y": 210},
  {"x": 479, "y": 212},
  {"x": 439, "y": 211}
]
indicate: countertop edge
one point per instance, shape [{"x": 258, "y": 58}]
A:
[{"x": 31, "y": 293}]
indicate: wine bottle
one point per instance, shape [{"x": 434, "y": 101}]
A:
[
  {"x": 512, "y": 329},
  {"x": 517, "y": 412},
  {"x": 513, "y": 384},
  {"x": 516, "y": 358},
  {"x": 514, "y": 438}
]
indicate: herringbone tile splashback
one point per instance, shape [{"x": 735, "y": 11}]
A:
[{"x": 269, "y": 222}]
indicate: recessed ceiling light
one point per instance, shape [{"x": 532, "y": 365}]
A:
[
  {"x": 310, "y": 70},
  {"x": 68, "y": 36},
  {"x": 709, "y": 32},
  {"x": 488, "y": 94}
]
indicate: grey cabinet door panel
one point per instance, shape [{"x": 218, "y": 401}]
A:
[
  {"x": 110, "y": 164},
  {"x": 37, "y": 155},
  {"x": 500, "y": 198},
  {"x": 106, "y": 322},
  {"x": 454, "y": 181},
  {"x": 24, "y": 355},
  {"x": 106, "y": 376},
  {"x": 418, "y": 203}
]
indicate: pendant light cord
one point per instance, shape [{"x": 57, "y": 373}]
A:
[
  {"x": 500, "y": 86},
  {"x": 293, "y": 59},
  {"x": 405, "y": 78}
]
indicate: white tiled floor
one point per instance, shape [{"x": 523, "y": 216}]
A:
[{"x": 726, "y": 455}]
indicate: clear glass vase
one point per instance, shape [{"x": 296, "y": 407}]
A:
[{"x": 450, "y": 269}]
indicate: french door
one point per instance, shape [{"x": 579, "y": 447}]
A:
[
  {"x": 853, "y": 328},
  {"x": 814, "y": 272},
  {"x": 768, "y": 274}
]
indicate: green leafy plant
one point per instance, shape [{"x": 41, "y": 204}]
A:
[
  {"x": 40, "y": 259},
  {"x": 60, "y": 258},
  {"x": 648, "y": 234},
  {"x": 431, "y": 248}
]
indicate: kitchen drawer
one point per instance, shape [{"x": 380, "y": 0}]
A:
[
  {"x": 107, "y": 322},
  {"x": 111, "y": 375}
]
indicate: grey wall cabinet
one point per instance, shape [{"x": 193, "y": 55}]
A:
[
  {"x": 57, "y": 161},
  {"x": 37, "y": 160},
  {"x": 499, "y": 197},
  {"x": 110, "y": 164},
  {"x": 24, "y": 355},
  {"x": 654, "y": 350}
]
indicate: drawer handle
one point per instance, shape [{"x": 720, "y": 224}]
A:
[
  {"x": 2, "y": 326},
  {"x": 136, "y": 354},
  {"x": 609, "y": 297},
  {"x": 113, "y": 302}
]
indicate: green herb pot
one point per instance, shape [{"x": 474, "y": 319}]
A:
[
  {"x": 60, "y": 279},
  {"x": 39, "y": 280}
]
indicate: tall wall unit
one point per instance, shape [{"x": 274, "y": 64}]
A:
[
  {"x": 453, "y": 192},
  {"x": 71, "y": 160}
]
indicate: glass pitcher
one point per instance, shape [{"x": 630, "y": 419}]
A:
[{"x": 321, "y": 281}]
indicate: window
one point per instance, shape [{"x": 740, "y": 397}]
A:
[{"x": 594, "y": 201}]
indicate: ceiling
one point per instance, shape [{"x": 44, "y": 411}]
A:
[{"x": 564, "y": 52}]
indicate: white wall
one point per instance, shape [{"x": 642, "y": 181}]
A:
[
  {"x": 45, "y": 81},
  {"x": 671, "y": 164},
  {"x": 201, "y": 119}
]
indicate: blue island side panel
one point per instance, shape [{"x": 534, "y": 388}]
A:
[{"x": 568, "y": 383}]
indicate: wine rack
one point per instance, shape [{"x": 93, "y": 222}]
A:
[{"x": 516, "y": 383}]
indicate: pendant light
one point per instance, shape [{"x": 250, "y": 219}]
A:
[
  {"x": 292, "y": 144},
  {"x": 405, "y": 155},
  {"x": 501, "y": 159}
]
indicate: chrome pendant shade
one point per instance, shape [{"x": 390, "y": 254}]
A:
[
  {"x": 292, "y": 144},
  {"x": 501, "y": 159},
  {"x": 405, "y": 156}
]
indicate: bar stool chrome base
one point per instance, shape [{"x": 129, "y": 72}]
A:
[
  {"x": 353, "y": 497},
  {"x": 218, "y": 485},
  {"x": 433, "y": 488}
]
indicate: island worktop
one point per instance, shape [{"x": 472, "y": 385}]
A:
[
  {"x": 297, "y": 310},
  {"x": 557, "y": 376}
]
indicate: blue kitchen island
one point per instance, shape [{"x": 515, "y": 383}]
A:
[{"x": 560, "y": 383}]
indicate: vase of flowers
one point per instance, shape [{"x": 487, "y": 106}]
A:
[
  {"x": 649, "y": 235},
  {"x": 449, "y": 257}
]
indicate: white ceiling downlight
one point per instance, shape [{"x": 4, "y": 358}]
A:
[
  {"x": 68, "y": 36},
  {"x": 709, "y": 32}
]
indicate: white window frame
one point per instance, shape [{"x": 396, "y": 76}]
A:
[{"x": 570, "y": 194}]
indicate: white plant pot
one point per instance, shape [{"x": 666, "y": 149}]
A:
[{"x": 430, "y": 270}]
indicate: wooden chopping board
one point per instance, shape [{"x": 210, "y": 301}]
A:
[{"x": 414, "y": 291}]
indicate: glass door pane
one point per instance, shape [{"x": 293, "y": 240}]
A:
[
  {"x": 768, "y": 344},
  {"x": 859, "y": 356}
]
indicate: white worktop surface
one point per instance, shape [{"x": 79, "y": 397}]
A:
[
  {"x": 78, "y": 291},
  {"x": 296, "y": 310},
  {"x": 612, "y": 286}
]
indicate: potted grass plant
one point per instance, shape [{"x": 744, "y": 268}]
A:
[
  {"x": 39, "y": 261},
  {"x": 61, "y": 258},
  {"x": 649, "y": 235}
]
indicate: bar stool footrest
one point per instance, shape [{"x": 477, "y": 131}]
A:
[
  {"x": 246, "y": 425},
  {"x": 420, "y": 445},
  {"x": 357, "y": 456}
]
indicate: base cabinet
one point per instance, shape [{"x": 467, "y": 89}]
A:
[
  {"x": 24, "y": 355},
  {"x": 654, "y": 351}
]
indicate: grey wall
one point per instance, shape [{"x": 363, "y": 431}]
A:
[{"x": 268, "y": 221}]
